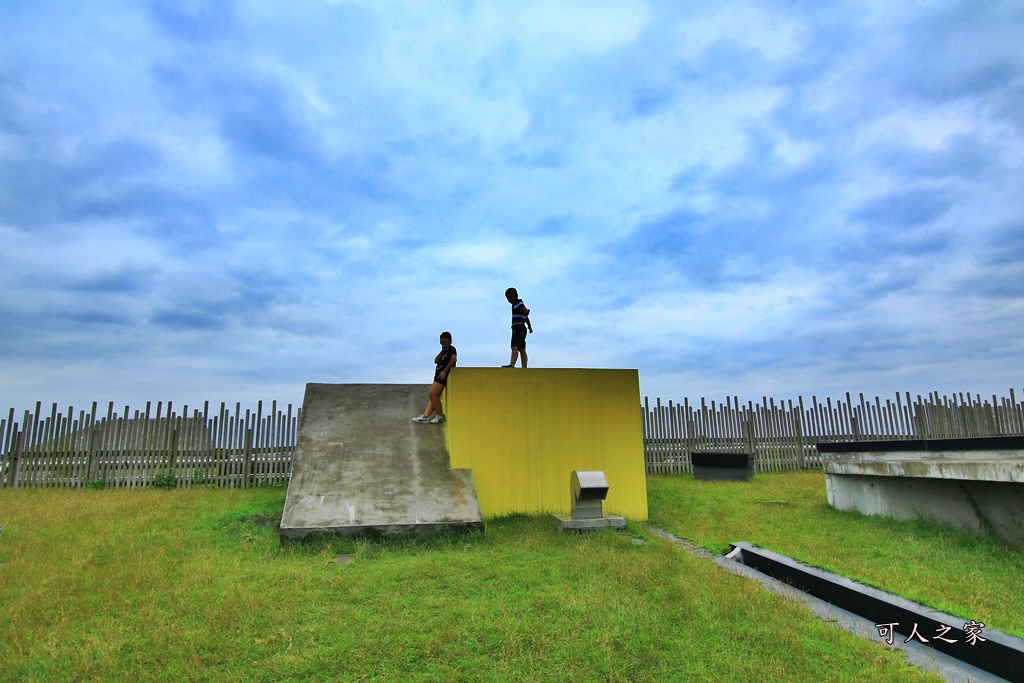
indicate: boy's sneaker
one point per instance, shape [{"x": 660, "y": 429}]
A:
[
  {"x": 437, "y": 419},
  {"x": 508, "y": 366},
  {"x": 422, "y": 419}
]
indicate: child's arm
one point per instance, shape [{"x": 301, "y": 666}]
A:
[{"x": 529, "y": 325}]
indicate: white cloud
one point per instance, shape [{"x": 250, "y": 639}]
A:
[
  {"x": 794, "y": 152},
  {"x": 928, "y": 128},
  {"x": 755, "y": 26},
  {"x": 748, "y": 313},
  {"x": 593, "y": 26}
]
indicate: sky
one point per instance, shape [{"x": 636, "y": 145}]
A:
[{"x": 224, "y": 200}]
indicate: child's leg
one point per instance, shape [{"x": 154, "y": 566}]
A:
[
  {"x": 435, "y": 399},
  {"x": 518, "y": 346},
  {"x": 515, "y": 356}
]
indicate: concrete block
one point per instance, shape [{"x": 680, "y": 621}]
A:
[
  {"x": 971, "y": 484},
  {"x": 711, "y": 466},
  {"x": 570, "y": 523}
]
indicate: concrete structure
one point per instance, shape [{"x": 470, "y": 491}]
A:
[
  {"x": 565, "y": 522},
  {"x": 523, "y": 432},
  {"x": 975, "y": 484},
  {"x": 710, "y": 466},
  {"x": 362, "y": 466},
  {"x": 587, "y": 490}
]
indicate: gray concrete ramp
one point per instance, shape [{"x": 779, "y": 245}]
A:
[{"x": 362, "y": 466}]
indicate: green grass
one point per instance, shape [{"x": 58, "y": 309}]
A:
[
  {"x": 192, "y": 584},
  {"x": 952, "y": 571}
]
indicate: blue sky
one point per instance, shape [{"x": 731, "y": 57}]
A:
[{"x": 226, "y": 200}]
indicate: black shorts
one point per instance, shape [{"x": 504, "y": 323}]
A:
[
  {"x": 519, "y": 339},
  {"x": 441, "y": 380}
]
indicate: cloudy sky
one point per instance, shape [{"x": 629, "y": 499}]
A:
[{"x": 225, "y": 200}]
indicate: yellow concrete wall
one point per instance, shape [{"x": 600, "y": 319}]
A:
[{"x": 523, "y": 432}]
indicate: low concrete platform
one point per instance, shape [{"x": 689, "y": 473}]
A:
[
  {"x": 976, "y": 484},
  {"x": 606, "y": 521},
  {"x": 361, "y": 466},
  {"x": 732, "y": 466}
]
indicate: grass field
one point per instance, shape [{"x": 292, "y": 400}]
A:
[{"x": 192, "y": 584}]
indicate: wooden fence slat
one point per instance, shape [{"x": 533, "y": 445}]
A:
[
  {"x": 1017, "y": 420},
  {"x": 237, "y": 437},
  {"x": 655, "y": 422},
  {"x": 218, "y": 428},
  {"x": 682, "y": 456},
  {"x": 12, "y": 453},
  {"x": 668, "y": 435},
  {"x": 275, "y": 469},
  {"x": 645, "y": 421},
  {"x": 129, "y": 452},
  {"x": 256, "y": 454},
  {"x": 688, "y": 447}
]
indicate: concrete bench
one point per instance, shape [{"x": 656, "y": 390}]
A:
[
  {"x": 975, "y": 484},
  {"x": 722, "y": 466}
]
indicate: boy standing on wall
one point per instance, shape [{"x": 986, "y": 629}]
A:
[{"x": 520, "y": 324}]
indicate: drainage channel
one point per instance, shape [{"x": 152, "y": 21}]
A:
[{"x": 932, "y": 640}]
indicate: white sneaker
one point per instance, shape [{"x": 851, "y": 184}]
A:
[
  {"x": 437, "y": 419},
  {"x": 422, "y": 419}
]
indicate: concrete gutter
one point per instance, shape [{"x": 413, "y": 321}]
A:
[{"x": 804, "y": 584}]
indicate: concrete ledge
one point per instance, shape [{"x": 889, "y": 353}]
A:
[
  {"x": 381, "y": 530},
  {"x": 568, "y": 523},
  {"x": 980, "y": 443},
  {"x": 959, "y": 465},
  {"x": 994, "y": 458}
]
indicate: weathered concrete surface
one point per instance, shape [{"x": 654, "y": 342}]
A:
[
  {"x": 960, "y": 465},
  {"x": 362, "y": 466},
  {"x": 569, "y": 523},
  {"x": 966, "y": 485},
  {"x": 981, "y": 507}
]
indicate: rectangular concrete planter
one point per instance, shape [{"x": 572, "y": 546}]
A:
[{"x": 722, "y": 466}]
